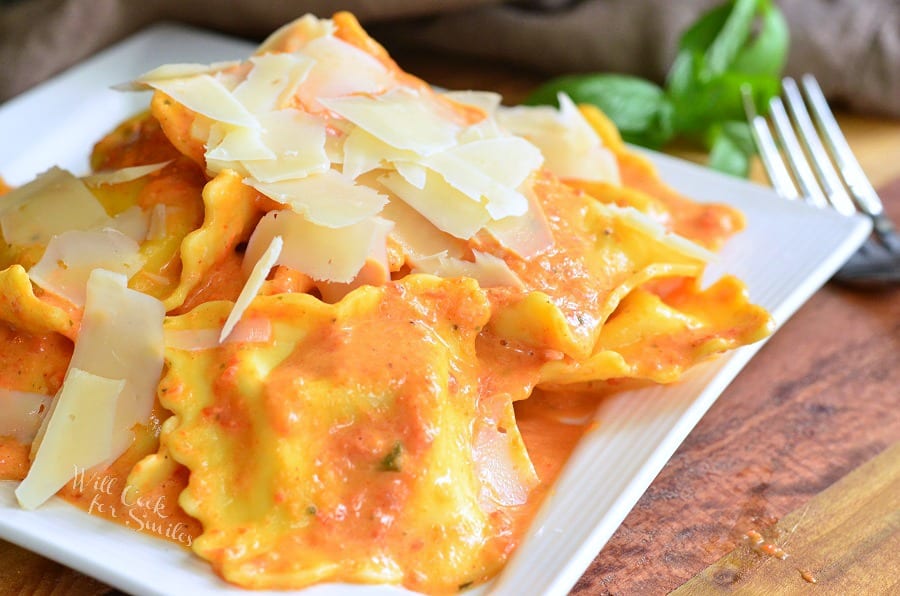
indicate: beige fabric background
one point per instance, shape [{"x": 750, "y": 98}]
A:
[{"x": 852, "y": 46}]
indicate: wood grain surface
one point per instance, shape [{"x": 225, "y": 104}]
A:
[
  {"x": 819, "y": 400},
  {"x": 846, "y": 540}
]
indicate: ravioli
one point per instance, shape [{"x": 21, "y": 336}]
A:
[
  {"x": 343, "y": 447},
  {"x": 599, "y": 254}
]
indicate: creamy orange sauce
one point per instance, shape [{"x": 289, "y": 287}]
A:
[
  {"x": 32, "y": 363},
  {"x": 156, "y": 512},
  {"x": 223, "y": 282},
  {"x": 709, "y": 224},
  {"x": 14, "y": 462}
]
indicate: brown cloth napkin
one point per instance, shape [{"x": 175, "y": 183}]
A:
[{"x": 852, "y": 47}]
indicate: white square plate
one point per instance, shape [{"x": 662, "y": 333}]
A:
[{"x": 787, "y": 252}]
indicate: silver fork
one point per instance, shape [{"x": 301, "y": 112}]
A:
[{"x": 845, "y": 188}]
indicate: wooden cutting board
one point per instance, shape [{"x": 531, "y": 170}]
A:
[{"x": 846, "y": 540}]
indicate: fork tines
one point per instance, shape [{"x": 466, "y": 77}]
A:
[{"x": 820, "y": 166}]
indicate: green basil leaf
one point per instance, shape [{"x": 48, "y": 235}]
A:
[
  {"x": 722, "y": 40},
  {"x": 719, "y": 100},
  {"x": 700, "y": 36},
  {"x": 682, "y": 76},
  {"x": 766, "y": 53},
  {"x": 731, "y": 148},
  {"x": 639, "y": 108},
  {"x": 731, "y": 38}
]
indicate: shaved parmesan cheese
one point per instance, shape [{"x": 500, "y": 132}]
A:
[
  {"x": 124, "y": 174},
  {"x": 207, "y": 96},
  {"x": 235, "y": 143},
  {"x": 297, "y": 140},
  {"x": 486, "y": 100},
  {"x": 413, "y": 172},
  {"x": 501, "y": 462},
  {"x": 121, "y": 337},
  {"x": 132, "y": 222},
  {"x": 327, "y": 199},
  {"x": 401, "y": 118},
  {"x": 192, "y": 340},
  {"x": 251, "y": 287},
  {"x": 174, "y": 71},
  {"x": 491, "y": 169},
  {"x": 526, "y": 235},
  {"x": 271, "y": 80},
  {"x": 334, "y": 143},
  {"x": 441, "y": 204},
  {"x": 375, "y": 271},
  {"x": 418, "y": 237},
  {"x": 486, "y": 129},
  {"x": 157, "y": 227},
  {"x": 22, "y": 413},
  {"x": 247, "y": 330},
  {"x": 70, "y": 258},
  {"x": 340, "y": 69},
  {"x": 492, "y": 157},
  {"x": 323, "y": 253},
  {"x": 646, "y": 224},
  {"x": 78, "y": 435},
  {"x": 53, "y": 203},
  {"x": 364, "y": 152},
  {"x": 569, "y": 143},
  {"x": 214, "y": 166},
  {"x": 489, "y": 271}
]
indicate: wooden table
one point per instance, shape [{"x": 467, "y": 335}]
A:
[{"x": 819, "y": 399}]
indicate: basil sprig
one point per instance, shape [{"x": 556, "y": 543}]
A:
[{"x": 739, "y": 43}]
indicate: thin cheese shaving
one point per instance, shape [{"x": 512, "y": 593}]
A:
[
  {"x": 132, "y": 222},
  {"x": 70, "y": 258},
  {"x": 418, "y": 236},
  {"x": 328, "y": 199},
  {"x": 441, "y": 204},
  {"x": 323, "y": 253},
  {"x": 486, "y": 100},
  {"x": 364, "y": 152},
  {"x": 402, "y": 118},
  {"x": 490, "y": 169},
  {"x": 174, "y": 71},
  {"x": 272, "y": 78},
  {"x": 526, "y": 235},
  {"x": 22, "y": 413},
  {"x": 121, "y": 337},
  {"x": 157, "y": 226},
  {"x": 297, "y": 141},
  {"x": 571, "y": 147},
  {"x": 641, "y": 221},
  {"x": 53, "y": 203},
  {"x": 251, "y": 288},
  {"x": 340, "y": 69},
  {"x": 235, "y": 143},
  {"x": 489, "y": 271},
  {"x": 413, "y": 172},
  {"x": 247, "y": 330},
  {"x": 206, "y": 95},
  {"x": 124, "y": 174},
  {"x": 78, "y": 435}
]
